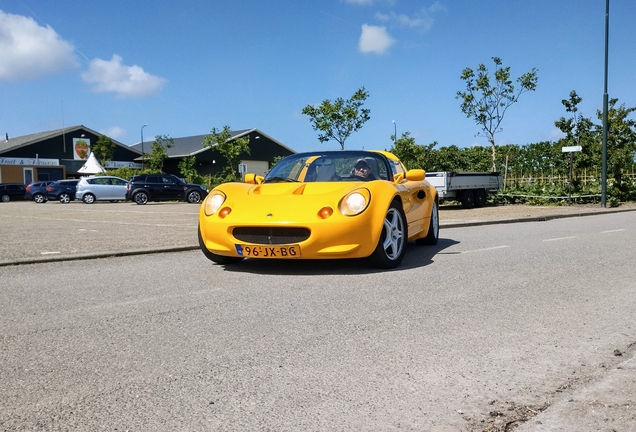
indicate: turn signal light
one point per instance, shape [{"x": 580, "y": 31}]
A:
[
  {"x": 325, "y": 212},
  {"x": 224, "y": 212}
]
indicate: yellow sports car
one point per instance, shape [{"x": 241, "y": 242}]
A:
[{"x": 319, "y": 205}]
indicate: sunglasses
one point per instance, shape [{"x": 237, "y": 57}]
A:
[{"x": 360, "y": 167}]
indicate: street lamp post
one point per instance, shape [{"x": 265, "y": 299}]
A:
[
  {"x": 394, "y": 132},
  {"x": 605, "y": 126},
  {"x": 143, "y": 155}
]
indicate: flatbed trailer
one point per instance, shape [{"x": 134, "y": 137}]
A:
[{"x": 469, "y": 188}]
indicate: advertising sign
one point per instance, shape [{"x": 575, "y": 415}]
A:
[{"x": 81, "y": 148}]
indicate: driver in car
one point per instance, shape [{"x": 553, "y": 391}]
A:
[{"x": 362, "y": 170}]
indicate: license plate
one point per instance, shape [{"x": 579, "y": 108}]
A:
[{"x": 287, "y": 251}]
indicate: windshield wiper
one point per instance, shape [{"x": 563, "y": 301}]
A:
[{"x": 279, "y": 179}]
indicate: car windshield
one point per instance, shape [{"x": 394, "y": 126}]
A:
[{"x": 330, "y": 167}]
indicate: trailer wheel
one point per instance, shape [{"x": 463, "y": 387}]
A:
[
  {"x": 468, "y": 199},
  {"x": 480, "y": 198}
]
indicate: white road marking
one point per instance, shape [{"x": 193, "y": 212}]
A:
[
  {"x": 613, "y": 231},
  {"x": 50, "y": 253},
  {"x": 560, "y": 238},
  {"x": 486, "y": 249}
]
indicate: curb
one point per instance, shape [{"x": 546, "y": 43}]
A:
[
  {"x": 96, "y": 255},
  {"x": 533, "y": 218}
]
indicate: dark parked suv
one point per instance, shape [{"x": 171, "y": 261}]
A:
[
  {"x": 62, "y": 190},
  {"x": 163, "y": 187},
  {"x": 10, "y": 192},
  {"x": 36, "y": 191}
]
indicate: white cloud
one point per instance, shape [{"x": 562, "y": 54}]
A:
[
  {"x": 359, "y": 2},
  {"x": 115, "y": 132},
  {"x": 555, "y": 134},
  {"x": 112, "y": 76},
  {"x": 422, "y": 19},
  {"x": 375, "y": 40},
  {"x": 29, "y": 50}
]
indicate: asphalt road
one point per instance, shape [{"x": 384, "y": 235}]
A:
[{"x": 495, "y": 323}]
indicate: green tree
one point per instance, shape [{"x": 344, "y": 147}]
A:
[
  {"x": 104, "y": 149},
  {"x": 407, "y": 151},
  {"x": 621, "y": 140},
  {"x": 486, "y": 103},
  {"x": 428, "y": 157},
  {"x": 231, "y": 149},
  {"x": 449, "y": 159},
  {"x": 188, "y": 170},
  {"x": 159, "y": 152},
  {"x": 578, "y": 130},
  {"x": 340, "y": 119}
]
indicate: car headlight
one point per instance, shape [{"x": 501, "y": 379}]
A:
[
  {"x": 213, "y": 202},
  {"x": 355, "y": 202}
]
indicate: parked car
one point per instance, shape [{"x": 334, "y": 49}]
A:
[
  {"x": 36, "y": 191},
  {"x": 101, "y": 188},
  {"x": 13, "y": 191},
  {"x": 163, "y": 187},
  {"x": 62, "y": 190},
  {"x": 322, "y": 205}
]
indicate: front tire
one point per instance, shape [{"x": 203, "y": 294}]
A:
[
  {"x": 5, "y": 198},
  {"x": 468, "y": 199},
  {"x": 194, "y": 197},
  {"x": 433, "y": 228},
  {"x": 39, "y": 198},
  {"x": 391, "y": 247},
  {"x": 219, "y": 259},
  {"x": 141, "y": 198},
  {"x": 88, "y": 198},
  {"x": 65, "y": 198}
]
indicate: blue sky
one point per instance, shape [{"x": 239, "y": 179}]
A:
[{"x": 188, "y": 66}]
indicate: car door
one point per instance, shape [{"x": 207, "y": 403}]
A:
[
  {"x": 98, "y": 188},
  {"x": 118, "y": 189},
  {"x": 415, "y": 200},
  {"x": 172, "y": 188},
  {"x": 105, "y": 188}
]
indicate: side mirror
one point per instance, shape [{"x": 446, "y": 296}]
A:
[
  {"x": 253, "y": 178},
  {"x": 415, "y": 175}
]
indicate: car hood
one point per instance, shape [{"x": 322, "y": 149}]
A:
[{"x": 279, "y": 190}]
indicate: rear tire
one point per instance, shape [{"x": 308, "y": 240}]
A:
[
  {"x": 39, "y": 198},
  {"x": 65, "y": 198},
  {"x": 5, "y": 198},
  {"x": 480, "y": 198},
  {"x": 391, "y": 247},
  {"x": 88, "y": 198},
  {"x": 433, "y": 228},
  {"x": 141, "y": 198},
  {"x": 219, "y": 259}
]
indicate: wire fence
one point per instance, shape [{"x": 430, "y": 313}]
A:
[
  {"x": 533, "y": 178},
  {"x": 574, "y": 197}
]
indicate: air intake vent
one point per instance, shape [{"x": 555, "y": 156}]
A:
[{"x": 271, "y": 235}]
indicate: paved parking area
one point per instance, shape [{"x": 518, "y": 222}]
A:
[{"x": 31, "y": 231}]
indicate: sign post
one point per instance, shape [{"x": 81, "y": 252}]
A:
[
  {"x": 571, "y": 150},
  {"x": 242, "y": 170}
]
